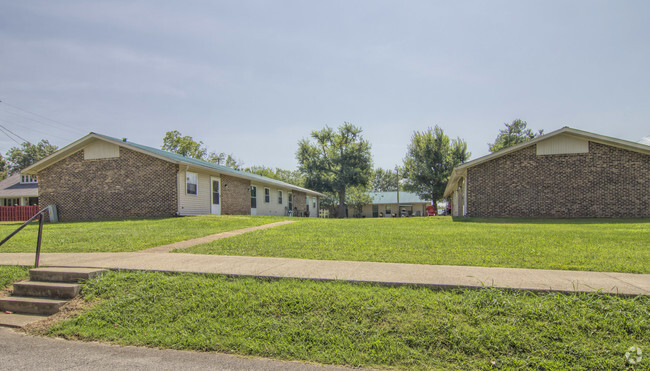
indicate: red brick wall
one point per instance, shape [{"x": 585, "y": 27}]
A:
[
  {"x": 606, "y": 182},
  {"x": 130, "y": 186},
  {"x": 299, "y": 202},
  {"x": 236, "y": 195}
]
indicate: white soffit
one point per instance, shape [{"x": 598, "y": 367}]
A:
[
  {"x": 100, "y": 149},
  {"x": 562, "y": 144}
]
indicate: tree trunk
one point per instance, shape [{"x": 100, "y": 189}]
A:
[{"x": 342, "y": 206}]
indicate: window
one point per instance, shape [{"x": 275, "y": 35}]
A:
[
  {"x": 290, "y": 201},
  {"x": 215, "y": 192},
  {"x": 314, "y": 203},
  {"x": 388, "y": 210},
  {"x": 267, "y": 195},
  {"x": 11, "y": 201},
  {"x": 307, "y": 203},
  {"x": 375, "y": 211},
  {"x": 253, "y": 197},
  {"x": 190, "y": 183},
  {"x": 280, "y": 197},
  {"x": 24, "y": 179}
]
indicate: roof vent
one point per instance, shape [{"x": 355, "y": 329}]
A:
[{"x": 124, "y": 140}]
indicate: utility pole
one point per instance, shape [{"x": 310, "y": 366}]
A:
[{"x": 399, "y": 212}]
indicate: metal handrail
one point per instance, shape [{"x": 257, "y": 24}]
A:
[{"x": 38, "y": 215}]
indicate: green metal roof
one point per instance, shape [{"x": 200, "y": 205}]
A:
[
  {"x": 391, "y": 198},
  {"x": 175, "y": 157}
]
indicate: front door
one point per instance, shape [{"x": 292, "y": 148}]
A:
[
  {"x": 215, "y": 192},
  {"x": 253, "y": 200}
]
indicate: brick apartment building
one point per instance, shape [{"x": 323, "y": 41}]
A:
[
  {"x": 98, "y": 177},
  {"x": 568, "y": 173}
]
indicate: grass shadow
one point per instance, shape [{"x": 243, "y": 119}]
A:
[{"x": 462, "y": 219}]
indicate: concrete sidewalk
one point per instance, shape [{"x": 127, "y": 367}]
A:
[{"x": 441, "y": 276}]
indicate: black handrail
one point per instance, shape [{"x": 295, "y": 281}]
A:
[{"x": 38, "y": 215}]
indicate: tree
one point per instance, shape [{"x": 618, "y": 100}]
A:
[
  {"x": 4, "y": 168},
  {"x": 336, "y": 161},
  {"x": 356, "y": 197},
  {"x": 224, "y": 159},
  {"x": 186, "y": 146},
  {"x": 294, "y": 177},
  {"x": 27, "y": 154},
  {"x": 430, "y": 159},
  {"x": 384, "y": 180},
  {"x": 514, "y": 133}
]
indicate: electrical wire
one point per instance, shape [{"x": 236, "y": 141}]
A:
[
  {"x": 41, "y": 116},
  {"x": 14, "y": 134},
  {"x": 9, "y": 136}
]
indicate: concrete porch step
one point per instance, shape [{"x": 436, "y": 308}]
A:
[
  {"x": 19, "y": 320},
  {"x": 28, "y": 305},
  {"x": 62, "y": 274},
  {"x": 53, "y": 290}
]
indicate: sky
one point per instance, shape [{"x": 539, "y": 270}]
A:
[{"x": 253, "y": 78}]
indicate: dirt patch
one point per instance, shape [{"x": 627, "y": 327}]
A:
[
  {"x": 69, "y": 310},
  {"x": 6, "y": 291}
]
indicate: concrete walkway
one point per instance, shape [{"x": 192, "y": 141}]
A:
[
  {"x": 197, "y": 241},
  {"x": 442, "y": 276}
]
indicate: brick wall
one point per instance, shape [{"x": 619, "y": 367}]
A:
[
  {"x": 299, "y": 202},
  {"x": 236, "y": 196},
  {"x": 606, "y": 182},
  {"x": 130, "y": 186}
]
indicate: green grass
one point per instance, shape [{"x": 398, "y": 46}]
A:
[
  {"x": 122, "y": 235},
  {"x": 10, "y": 274},
  {"x": 362, "y": 324},
  {"x": 616, "y": 245}
]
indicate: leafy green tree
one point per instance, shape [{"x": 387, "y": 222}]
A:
[
  {"x": 183, "y": 145},
  {"x": 187, "y": 146},
  {"x": 384, "y": 180},
  {"x": 336, "y": 161},
  {"x": 430, "y": 159},
  {"x": 27, "y": 154},
  {"x": 356, "y": 197},
  {"x": 513, "y": 134},
  {"x": 224, "y": 159},
  {"x": 4, "y": 167},
  {"x": 288, "y": 176}
]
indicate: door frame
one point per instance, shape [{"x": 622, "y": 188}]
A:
[{"x": 215, "y": 209}]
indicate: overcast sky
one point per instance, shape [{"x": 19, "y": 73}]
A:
[{"x": 252, "y": 78}]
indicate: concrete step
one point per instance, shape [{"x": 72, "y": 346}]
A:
[
  {"x": 62, "y": 274},
  {"x": 22, "y": 304},
  {"x": 18, "y": 320},
  {"x": 53, "y": 290}
]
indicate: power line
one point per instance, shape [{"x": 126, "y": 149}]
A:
[
  {"x": 44, "y": 117},
  {"x": 47, "y": 133},
  {"x": 14, "y": 134},
  {"x": 9, "y": 136}
]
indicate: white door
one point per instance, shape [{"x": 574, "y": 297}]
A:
[
  {"x": 215, "y": 192},
  {"x": 253, "y": 200}
]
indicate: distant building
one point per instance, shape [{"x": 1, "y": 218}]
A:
[
  {"x": 568, "y": 173},
  {"x": 19, "y": 190},
  {"x": 99, "y": 177},
  {"x": 384, "y": 204}
]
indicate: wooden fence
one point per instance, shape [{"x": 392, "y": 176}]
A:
[{"x": 17, "y": 213}]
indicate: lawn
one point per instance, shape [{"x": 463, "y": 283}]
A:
[
  {"x": 614, "y": 245},
  {"x": 123, "y": 235},
  {"x": 10, "y": 274},
  {"x": 363, "y": 324}
]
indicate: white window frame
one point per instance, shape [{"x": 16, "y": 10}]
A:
[
  {"x": 267, "y": 195},
  {"x": 189, "y": 174},
  {"x": 280, "y": 200},
  {"x": 28, "y": 179},
  {"x": 253, "y": 197}
]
